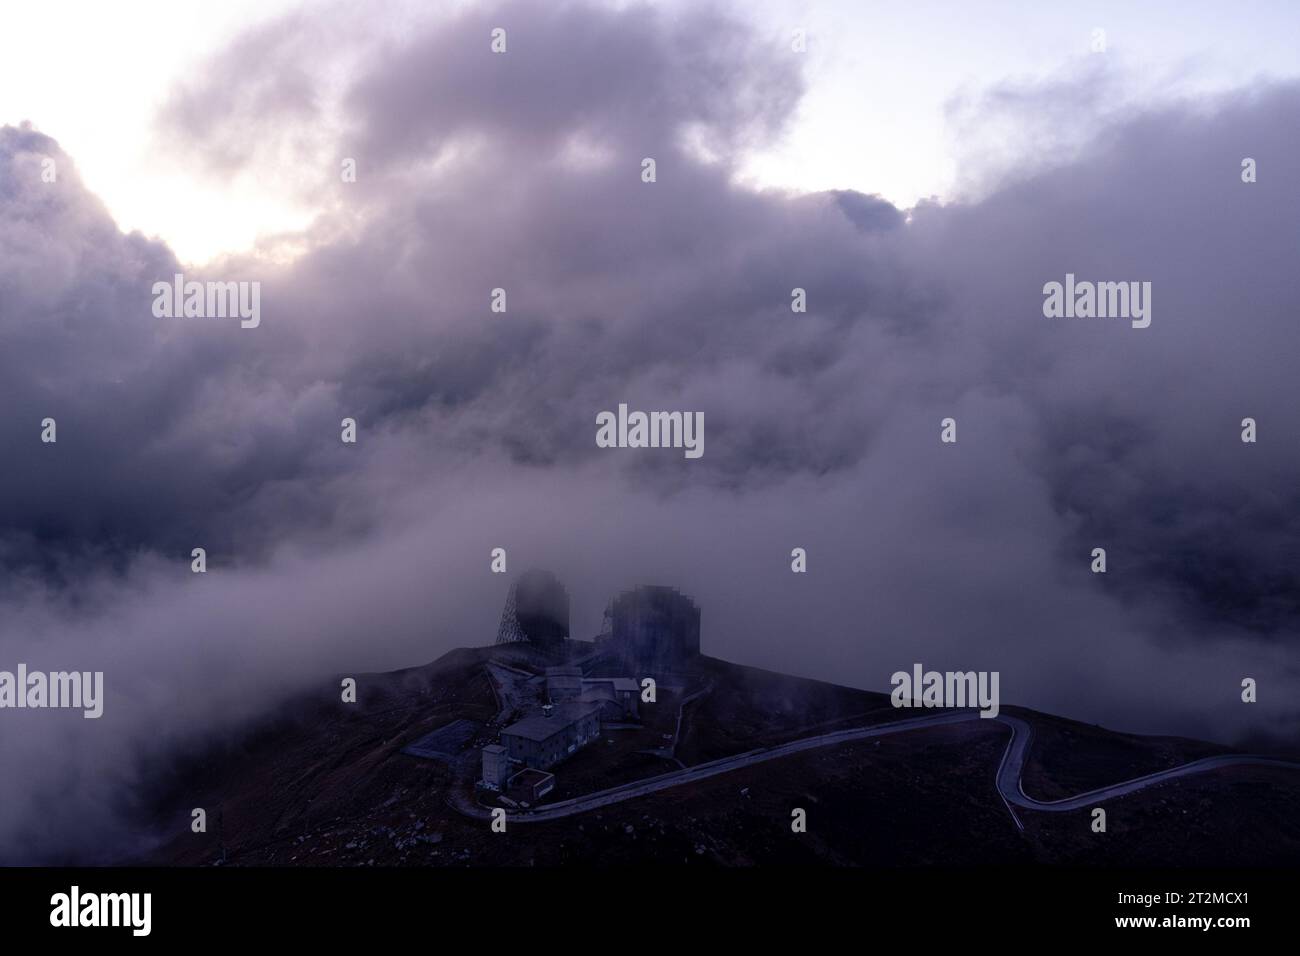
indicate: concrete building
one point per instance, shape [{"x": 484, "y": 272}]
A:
[
  {"x": 563, "y": 683},
  {"x": 529, "y": 785},
  {"x": 622, "y": 692},
  {"x": 496, "y": 767},
  {"x": 544, "y": 740},
  {"x": 655, "y": 629}
]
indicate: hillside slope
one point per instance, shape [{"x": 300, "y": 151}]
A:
[{"x": 328, "y": 784}]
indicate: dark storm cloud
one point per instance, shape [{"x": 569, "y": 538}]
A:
[
  {"x": 1138, "y": 434},
  {"x": 477, "y": 430}
]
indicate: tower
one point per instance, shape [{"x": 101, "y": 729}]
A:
[
  {"x": 509, "y": 631},
  {"x": 656, "y": 628},
  {"x": 536, "y": 611}
]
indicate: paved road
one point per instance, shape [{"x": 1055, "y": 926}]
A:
[
  {"x": 1009, "y": 783},
  {"x": 1011, "y": 786}
]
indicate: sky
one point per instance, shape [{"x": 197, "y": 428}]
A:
[
  {"x": 883, "y": 80},
  {"x": 210, "y": 139}
]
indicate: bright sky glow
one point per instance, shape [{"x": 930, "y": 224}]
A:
[{"x": 93, "y": 75}]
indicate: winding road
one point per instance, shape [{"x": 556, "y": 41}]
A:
[{"x": 1009, "y": 783}]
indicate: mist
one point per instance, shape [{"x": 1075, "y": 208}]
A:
[{"x": 476, "y": 430}]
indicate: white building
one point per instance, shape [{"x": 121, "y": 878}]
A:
[{"x": 496, "y": 767}]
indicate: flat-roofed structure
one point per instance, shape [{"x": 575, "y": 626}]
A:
[
  {"x": 529, "y": 785},
  {"x": 623, "y": 692},
  {"x": 563, "y": 683},
  {"x": 544, "y": 740},
  {"x": 445, "y": 743}
]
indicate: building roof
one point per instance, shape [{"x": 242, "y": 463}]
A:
[
  {"x": 610, "y": 709},
  {"x": 529, "y": 776},
  {"x": 620, "y": 683},
  {"x": 540, "y": 727}
]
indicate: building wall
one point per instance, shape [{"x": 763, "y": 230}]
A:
[
  {"x": 631, "y": 702},
  {"x": 531, "y": 790},
  {"x": 563, "y": 683},
  {"x": 496, "y": 767},
  {"x": 626, "y": 702},
  {"x": 568, "y": 739},
  {"x": 531, "y": 753},
  {"x": 534, "y": 753}
]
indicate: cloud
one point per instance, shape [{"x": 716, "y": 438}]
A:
[{"x": 522, "y": 172}]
